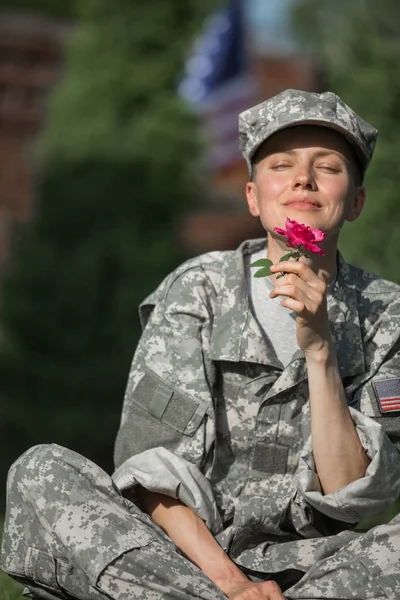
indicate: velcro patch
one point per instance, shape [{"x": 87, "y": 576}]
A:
[{"x": 387, "y": 392}]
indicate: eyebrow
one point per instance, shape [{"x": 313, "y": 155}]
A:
[{"x": 319, "y": 154}]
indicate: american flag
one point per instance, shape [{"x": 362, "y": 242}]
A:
[
  {"x": 387, "y": 392},
  {"x": 216, "y": 81}
]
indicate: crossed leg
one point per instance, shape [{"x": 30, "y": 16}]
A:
[{"x": 69, "y": 533}]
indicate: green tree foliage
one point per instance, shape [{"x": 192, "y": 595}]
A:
[
  {"x": 357, "y": 43},
  {"x": 119, "y": 154},
  {"x": 52, "y": 8}
]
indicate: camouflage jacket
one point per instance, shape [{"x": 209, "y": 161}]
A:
[{"x": 211, "y": 417}]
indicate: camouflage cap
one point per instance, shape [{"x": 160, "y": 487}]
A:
[{"x": 296, "y": 107}]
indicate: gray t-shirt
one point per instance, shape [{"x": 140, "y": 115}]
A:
[{"x": 277, "y": 322}]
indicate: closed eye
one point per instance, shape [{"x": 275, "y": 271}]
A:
[
  {"x": 327, "y": 167},
  {"x": 281, "y": 165}
]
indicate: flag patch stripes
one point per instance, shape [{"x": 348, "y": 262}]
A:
[{"x": 387, "y": 392}]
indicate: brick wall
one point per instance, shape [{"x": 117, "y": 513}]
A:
[{"x": 30, "y": 66}]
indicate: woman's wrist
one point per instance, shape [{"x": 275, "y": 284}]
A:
[
  {"x": 231, "y": 580},
  {"x": 324, "y": 355}
]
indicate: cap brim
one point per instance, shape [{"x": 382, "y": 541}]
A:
[{"x": 358, "y": 149}]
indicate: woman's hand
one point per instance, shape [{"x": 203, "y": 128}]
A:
[
  {"x": 265, "y": 590},
  {"x": 305, "y": 294}
]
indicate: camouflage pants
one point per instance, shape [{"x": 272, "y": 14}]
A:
[{"x": 70, "y": 534}]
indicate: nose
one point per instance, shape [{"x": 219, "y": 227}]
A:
[{"x": 303, "y": 179}]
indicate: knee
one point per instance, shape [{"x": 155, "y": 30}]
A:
[
  {"x": 32, "y": 466},
  {"x": 52, "y": 471}
]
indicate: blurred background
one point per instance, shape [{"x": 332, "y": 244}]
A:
[{"x": 119, "y": 159}]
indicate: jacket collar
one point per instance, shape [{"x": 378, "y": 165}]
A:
[{"x": 237, "y": 337}]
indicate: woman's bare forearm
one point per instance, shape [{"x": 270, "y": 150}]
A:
[
  {"x": 338, "y": 453},
  {"x": 193, "y": 538}
]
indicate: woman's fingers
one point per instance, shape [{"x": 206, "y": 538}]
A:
[
  {"x": 304, "y": 294},
  {"x": 302, "y": 270}
]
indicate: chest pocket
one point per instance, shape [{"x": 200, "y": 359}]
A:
[
  {"x": 244, "y": 386},
  {"x": 368, "y": 404}
]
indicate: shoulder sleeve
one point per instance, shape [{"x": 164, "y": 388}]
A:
[
  {"x": 379, "y": 397},
  {"x": 375, "y": 397},
  {"x": 369, "y": 495},
  {"x": 168, "y": 400}
]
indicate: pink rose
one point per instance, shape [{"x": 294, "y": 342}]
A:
[{"x": 298, "y": 234}]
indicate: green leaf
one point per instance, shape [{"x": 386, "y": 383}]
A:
[
  {"x": 263, "y": 272},
  {"x": 296, "y": 255},
  {"x": 262, "y": 262},
  {"x": 287, "y": 256}
]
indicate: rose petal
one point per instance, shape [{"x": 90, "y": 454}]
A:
[
  {"x": 291, "y": 226},
  {"x": 280, "y": 231},
  {"x": 314, "y": 249},
  {"x": 319, "y": 235},
  {"x": 298, "y": 234}
]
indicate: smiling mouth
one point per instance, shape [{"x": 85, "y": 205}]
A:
[{"x": 304, "y": 203}]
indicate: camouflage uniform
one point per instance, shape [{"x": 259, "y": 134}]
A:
[{"x": 210, "y": 417}]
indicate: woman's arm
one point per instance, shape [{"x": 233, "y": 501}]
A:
[{"x": 193, "y": 538}]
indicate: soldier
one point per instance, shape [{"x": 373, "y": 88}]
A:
[{"x": 260, "y": 420}]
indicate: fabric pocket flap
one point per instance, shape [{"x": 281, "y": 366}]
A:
[{"x": 171, "y": 406}]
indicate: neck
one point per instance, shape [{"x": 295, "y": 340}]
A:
[{"x": 323, "y": 266}]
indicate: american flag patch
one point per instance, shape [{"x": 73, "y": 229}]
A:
[{"x": 387, "y": 392}]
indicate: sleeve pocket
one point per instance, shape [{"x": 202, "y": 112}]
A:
[
  {"x": 41, "y": 568},
  {"x": 369, "y": 406},
  {"x": 171, "y": 406}
]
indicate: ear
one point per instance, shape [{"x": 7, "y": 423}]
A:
[
  {"x": 357, "y": 204},
  {"x": 251, "y": 196}
]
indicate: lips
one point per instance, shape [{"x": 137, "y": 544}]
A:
[{"x": 303, "y": 201}]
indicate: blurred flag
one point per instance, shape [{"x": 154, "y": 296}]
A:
[{"x": 216, "y": 81}]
